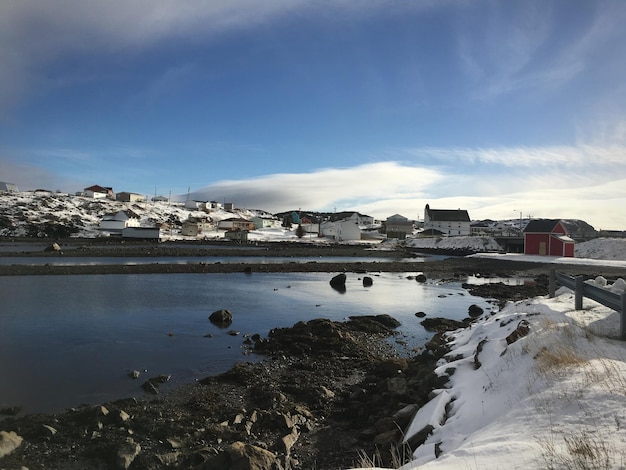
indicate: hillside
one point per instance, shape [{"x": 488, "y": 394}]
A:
[{"x": 55, "y": 215}]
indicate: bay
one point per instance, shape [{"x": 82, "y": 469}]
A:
[{"x": 70, "y": 340}]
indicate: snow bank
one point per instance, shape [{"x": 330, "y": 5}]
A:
[
  {"x": 552, "y": 398},
  {"x": 602, "y": 248}
]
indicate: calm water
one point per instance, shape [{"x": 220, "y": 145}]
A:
[
  {"x": 68, "y": 340},
  {"x": 134, "y": 260}
]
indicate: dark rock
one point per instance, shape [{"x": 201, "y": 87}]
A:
[
  {"x": 442, "y": 324},
  {"x": 338, "y": 282},
  {"x": 475, "y": 311},
  {"x": 421, "y": 278},
  {"x": 420, "y": 314},
  {"x": 367, "y": 281},
  {"x": 240, "y": 456},
  {"x": 221, "y": 317}
]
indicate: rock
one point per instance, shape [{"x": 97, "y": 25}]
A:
[
  {"x": 441, "y": 325},
  {"x": 420, "y": 314},
  {"x": 54, "y": 247},
  {"x": 397, "y": 386},
  {"x": 475, "y": 311},
  {"x": 221, "y": 317},
  {"x": 339, "y": 282},
  {"x": 367, "y": 281},
  {"x": 403, "y": 416},
  {"x": 520, "y": 331},
  {"x": 288, "y": 441},
  {"x": 134, "y": 374},
  {"x": 9, "y": 441},
  {"x": 127, "y": 452},
  {"x": 421, "y": 278},
  {"x": 152, "y": 384},
  {"x": 240, "y": 456}
]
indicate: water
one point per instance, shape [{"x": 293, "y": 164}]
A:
[
  {"x": 68, "y": 340},
  {"x": 135, "y": 260}
]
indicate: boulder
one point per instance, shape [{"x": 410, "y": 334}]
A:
[
  {"x": 421, "y": 278},
  {"x": 441, "y": 325},
  {"x": 475, "y": 311},
  {"x": 240, "y": 456},
  {"x": 338, "y": 282},
  {"x": 221, "y": 317},
  {"x": 9, "y": 441},
  {"x": 367, "y": 281},
  {"x": 520, "y": 331}
]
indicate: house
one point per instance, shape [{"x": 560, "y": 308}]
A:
[
  {"x": 547, "y": 237},
  {"x": 359, "y": 219},
  {"x": 129, "y": 197},
  {"x": 98, "y": 192},
  {"x": 118, "y": 221},
  {"x": 9, "y": 187},
  {"x": 160, "y": 199},
  {"x": 229, "y": 206},
  {"x": 398, "y": 226},
  {"x": 235, "y": 223},
  {"x": 194, "y": 226},
  {"x": 341, "y": 230},
  {"x": 264, "y": 221},
  {"x": 449, "y": 222},
  {"x": 195, "y": 205}
]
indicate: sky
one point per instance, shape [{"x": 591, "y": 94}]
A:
[{"x": 503, "y": 108}]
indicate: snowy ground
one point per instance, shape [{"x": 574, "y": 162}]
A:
[{"x": 555, "y": 398}]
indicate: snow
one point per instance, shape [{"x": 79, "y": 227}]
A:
[{"x": 555, "y": 398}]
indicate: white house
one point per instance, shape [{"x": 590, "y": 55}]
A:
[
  {"x": 341, "y": 230},
  {"x": 118, "y": 221},
  {"x": 446, "y": 222},
  {"x": 195, "y": 205},
  {"x": 98, "y": 192}
]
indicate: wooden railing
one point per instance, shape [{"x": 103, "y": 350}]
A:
[{"x": 582, "y": 289}]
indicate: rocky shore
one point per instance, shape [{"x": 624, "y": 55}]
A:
[{"x": 326, "y": 394}]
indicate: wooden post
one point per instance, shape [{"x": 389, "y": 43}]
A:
[
  {"x": 552, "y": 283},
  {"x": 578, "y": 294},
  {"x": 623, "y": 319}
]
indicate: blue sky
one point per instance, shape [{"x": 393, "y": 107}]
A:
[{"x": 496, "y": 107}]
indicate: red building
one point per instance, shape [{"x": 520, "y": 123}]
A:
[{"x": 547, "y": 237}]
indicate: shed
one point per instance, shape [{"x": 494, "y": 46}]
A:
[{"x": 547, "y": 237}]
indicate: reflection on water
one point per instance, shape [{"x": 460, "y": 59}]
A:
[{"x": 67, "y": 340}]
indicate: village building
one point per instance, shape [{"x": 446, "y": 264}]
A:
[
  {"x": 129, "y": 197},
  {"x": 398, "y": 226},
  {"x": 234, "y": 223},
  {"x": 160, "y": 199},
  {"x": 195, "y": 205},
  {"x": 341, "y": 230},
  {"x": 115, "y": 222},
  {"x": 9, "y": 187},
  {"x": 98, "y": 192},
  {"x": 264, "y": 221},
  {"x": 195, "y": 226},
  {"x": 447, "y": 222},
  {"x": 547, "y": 237}
]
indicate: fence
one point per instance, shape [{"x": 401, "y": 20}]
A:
[{"x": 581, "y": 289}]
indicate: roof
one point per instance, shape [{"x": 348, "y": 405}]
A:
[
  {"x": 541, "y": 225},
  {"x": 447, "y": 215}
]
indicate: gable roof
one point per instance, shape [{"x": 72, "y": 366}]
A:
[
  {"x": 541, "y": 225},
  {"x": 447, "y": 215}
]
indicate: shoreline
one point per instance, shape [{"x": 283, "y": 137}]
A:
[{"x": 303, "y": 405}]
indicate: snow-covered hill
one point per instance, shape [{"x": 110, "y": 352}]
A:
[{"x": 45, "y": 214}]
